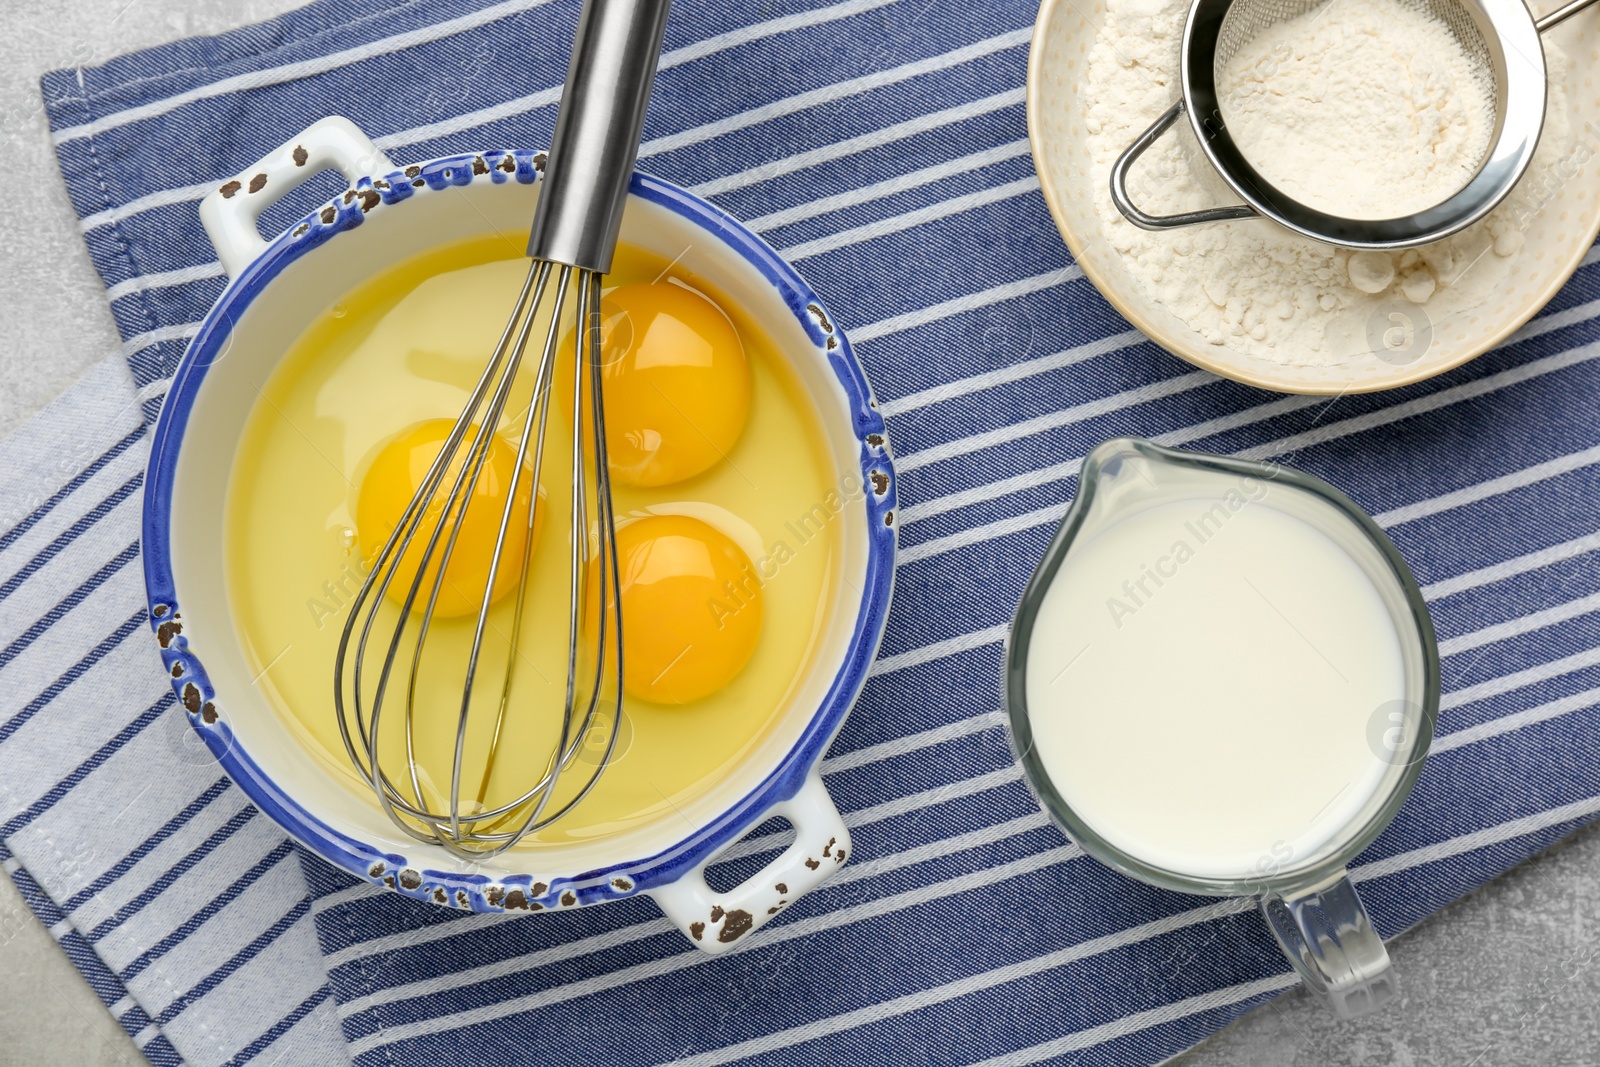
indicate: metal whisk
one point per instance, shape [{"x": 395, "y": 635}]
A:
[{"x": 383, "y": 649}]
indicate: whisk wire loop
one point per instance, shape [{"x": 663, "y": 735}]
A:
[
  {"x": 383, "y": 571},
  {"x": 571, "y": 242},
  {"x": 588, "y": 703}
]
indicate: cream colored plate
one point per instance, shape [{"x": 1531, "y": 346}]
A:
[{"x": 1556, "y": 241}]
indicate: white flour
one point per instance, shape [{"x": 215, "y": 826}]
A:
[
  {"x": 1252, "y": 285},
  {"x": 1369, "y": 109}
]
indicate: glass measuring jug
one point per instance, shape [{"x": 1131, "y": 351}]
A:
[{"x": 1222, "y": 679}]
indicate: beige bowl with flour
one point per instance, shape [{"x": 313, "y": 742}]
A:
[{"x": 1556, "y": 241}]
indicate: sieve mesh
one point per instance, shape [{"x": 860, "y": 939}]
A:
[
  {"x": 1499, "y": 37},
  {"x": 1245, "y": 19}
]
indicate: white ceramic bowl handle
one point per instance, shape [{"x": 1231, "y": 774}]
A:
[
  {"x": 230, "y": 211},
  {"x": 716, "y": 922}
]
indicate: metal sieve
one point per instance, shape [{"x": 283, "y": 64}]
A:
[{"x": 1500, "y": 34}]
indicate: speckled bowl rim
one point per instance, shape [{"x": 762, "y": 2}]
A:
[
  {"x": 480, "y": 891},
  {"x": 1265, "y": 379}
]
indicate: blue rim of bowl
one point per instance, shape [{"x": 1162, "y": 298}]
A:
[{"x": 207, "y": 711}]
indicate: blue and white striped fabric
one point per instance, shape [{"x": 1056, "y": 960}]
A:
[
  {"x": 881, "y": 145},
  {"x": 184, "y": 907}
]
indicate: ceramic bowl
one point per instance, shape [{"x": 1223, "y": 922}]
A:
[
  {"x": 1555, "y": 244},
  {"x": 279, "y": 287}
]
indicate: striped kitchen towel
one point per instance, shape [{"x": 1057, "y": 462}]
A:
[
  {"x": 880, "y": 145},
  {"x": 184, "y": 907}
]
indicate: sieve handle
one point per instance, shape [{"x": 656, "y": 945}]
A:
[
  {"x": 1556, "y": 18},
  {"x": 1119, "y": 185}
]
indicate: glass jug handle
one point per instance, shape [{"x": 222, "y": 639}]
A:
[{"x": 1328, "y": 937}]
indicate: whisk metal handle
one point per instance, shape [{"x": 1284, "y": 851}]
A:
[
  {"x": 1144, "y": 220},
  {"x": 597, "y": 132}
]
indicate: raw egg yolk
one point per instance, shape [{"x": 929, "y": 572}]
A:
[
  {"x": 676, "y": 383},
  {"x": 395, "y": 477},
  {"x": 691, "y": 609}
]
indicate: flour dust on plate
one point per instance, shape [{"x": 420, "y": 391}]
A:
[{"x": 718, "y": 462}]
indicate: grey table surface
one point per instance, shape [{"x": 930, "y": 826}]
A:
[{"x": 1505, "y": 976}]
